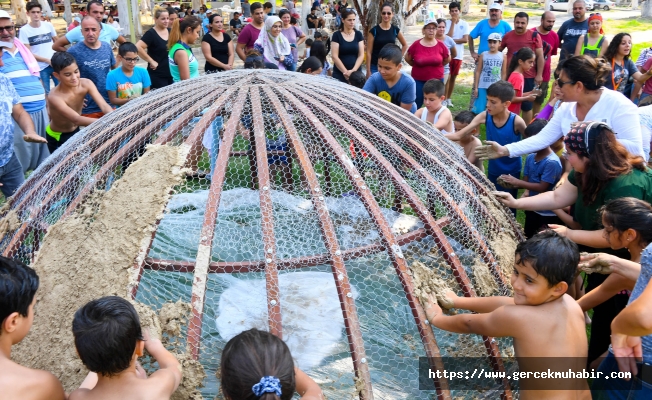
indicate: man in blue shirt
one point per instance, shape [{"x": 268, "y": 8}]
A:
[
  {"x": 486, "y": 27},
  {"x": 95, "y": 60},
  {"x": 24, "y": 74},
  {"x": 389, "y": 83},
  {"x": 11, "y": 172},
  {"x": 572, "y": 29},
  {"x": 107, "y": 33}
]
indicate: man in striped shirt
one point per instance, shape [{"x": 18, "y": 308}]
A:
[{"x": 31, "y": 93}]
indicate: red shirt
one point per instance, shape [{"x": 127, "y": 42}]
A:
[
  {"x": 427, "y": 61},
  {"x": 647, "y": 88},
  {"x": 517, "y": 80},
  {"x": 553, "y": 40},
  {"x": 248, "y": 36},
  {"x": 515, "y": 42}
]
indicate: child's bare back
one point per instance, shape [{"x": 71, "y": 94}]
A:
[
  {"x": 21, "y": 383},
  {"x": 469, "y": 145},
  {"x": 64, "y": 100}
]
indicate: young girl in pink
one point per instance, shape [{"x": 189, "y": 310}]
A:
[{"x": 522, "y": 62}]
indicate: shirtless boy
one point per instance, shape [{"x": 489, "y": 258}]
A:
[
  {"x": 541, "y": 318},
  {"x": 468, "y": 142},
  {"x": 66, "y": 101},
  {"x": 18, "y": 285},
  {"x": 109, "y": 340}
]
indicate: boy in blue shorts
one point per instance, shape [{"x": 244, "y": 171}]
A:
[
  {"x": 129, "y": 81},
  {"x": 389, "y": 83},
  {"x": 502, "y": 126},
  {"x": 542, "y": 172}
]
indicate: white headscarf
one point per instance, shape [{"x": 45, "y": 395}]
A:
[{"x": 273, "y": 46}]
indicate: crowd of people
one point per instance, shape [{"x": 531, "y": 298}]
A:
[{"x": 585, "y": 178}]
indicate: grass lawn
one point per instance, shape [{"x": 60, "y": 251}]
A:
[{"x": 628, "y": 25}]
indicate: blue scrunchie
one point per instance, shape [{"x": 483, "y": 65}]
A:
[{"x": 267, "y": 384}]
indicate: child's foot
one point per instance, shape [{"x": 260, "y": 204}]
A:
[{"x": 34, "y": 138}]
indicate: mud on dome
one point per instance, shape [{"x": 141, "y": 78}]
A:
[{"x": 272, "y": 200}]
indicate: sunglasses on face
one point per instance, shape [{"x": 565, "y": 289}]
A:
[
  {"x": 592, "y": 14},
  {"x": 9, "y": 28},
  {"x": 561, "y": 83},
  {"x": 386, "y": 13}
]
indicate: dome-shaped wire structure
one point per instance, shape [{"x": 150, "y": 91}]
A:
[{"x": 275, "y": 200}]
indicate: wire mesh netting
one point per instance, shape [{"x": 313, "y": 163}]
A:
[{"x": 274, "y": 200}]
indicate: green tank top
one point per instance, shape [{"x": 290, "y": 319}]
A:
[
  {"x": 594, "y": 50},
  {"x": 193, "y": 64}
]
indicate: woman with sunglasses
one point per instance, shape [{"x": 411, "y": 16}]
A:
[
  {"x": 622, "y": 67},
  {"x": 380, "y": 35},
  {"x": 603, "y": 170},
  {"x": 584, "y": 99},
  {"x": 427, "y": 57},
  {"x": 593, "y": 43}
]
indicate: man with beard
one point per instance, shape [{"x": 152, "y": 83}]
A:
[
  {"x": 250, "y": 33},
  {"x": 549, "y": 36},
  {"x": 572, "y": 29},
  {"x": 108, "y": 33},
  {"x": 514, "y": 41}
]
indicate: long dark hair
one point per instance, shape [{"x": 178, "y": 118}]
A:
[
  {"x": 179, "y": 28},
  {"x": 612, "y": 50},
  {"x": 248, "y": 357},
  {"x": 609, "y": 160},
  {"x": 344, "y": 15},
  {"x": 522, "y": 55},
  {"x": 592, "y": 72},
  {"x": 629, "y": 213},
  {"x": 318, "y": 49}
]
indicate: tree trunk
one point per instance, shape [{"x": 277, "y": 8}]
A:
[
  {"x": 45, "y": 8},
  {"x": 466, "y": 6},
  {"x": 646, "y": 10},
  {"x": 18, "y": 6},
  {"x": 489, "y": 3},
  {"x": 546, "y": 5},
  {"x": 512, "y": 2},
  {"x": 135, "y": 16},
  {"x": 196, "y": 4},
  {"x": 305, "y": 10},
  {"x": 67, "y": 11},
  {"x": 635, "y": 4},
  {"x": 123, "y": 16}
]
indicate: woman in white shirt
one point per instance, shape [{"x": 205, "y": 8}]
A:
[{"x": 585, "y": 99}]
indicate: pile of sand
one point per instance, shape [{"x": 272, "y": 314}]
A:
[{"x": 91, "y": 254}]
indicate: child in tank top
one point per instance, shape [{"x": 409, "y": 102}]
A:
[{"x": 434, "y": 111}]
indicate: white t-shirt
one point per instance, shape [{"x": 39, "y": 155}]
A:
[
  {"x": 461, "y": 29},
  {"x": 646, "y": 128},
  {"x": 40, "y": 40},
  {"x": 613, "y": 108}
]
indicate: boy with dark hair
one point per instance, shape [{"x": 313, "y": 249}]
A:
[
  {"x": 545, "y": 323},
  {"x": 18, "y": 286},
  {"x": 66, "y": 101},
  {"x": 129, "y": 81},
  {"x": 109, "y": 340},
  {"x": 357, "y": 79},
  {"x": 434, "y": 110},
  {"x": 469, "y": 142},
  {"x": 389, "y": 83},
  {"x": 542, "y": 172},
  {"x": 502, "y": 126},
  {"x": 38, "y": 36}
]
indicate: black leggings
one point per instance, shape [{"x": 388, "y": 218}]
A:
[{"x": 54, "y": 144}]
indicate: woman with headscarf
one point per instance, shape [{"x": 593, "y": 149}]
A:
[
  {"x": 274, "y": 47},
  {"x": 594, "y": 42}
]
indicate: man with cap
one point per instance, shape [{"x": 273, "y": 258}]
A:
[
  {"x": 571, "y": 30},
  {"x": 20, "y": 66},
  {"x": 205, "y": 22},
  {"x": 484, "y": 28},
  {"x": 107, "y": 33}
]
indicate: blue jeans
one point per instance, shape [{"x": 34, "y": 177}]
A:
[
  {"x": 11, "y": 176},
  {"x": 292, "y": 68},
  {"x": 615, "y": 388},
  {"x": 46, "y": 74},
  {"x": 374, "y": 68}
]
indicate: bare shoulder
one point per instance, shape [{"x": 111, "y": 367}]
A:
[
  {"x": 161, "y": 384},
  {"x": 86, "y": 83},
  {"x": 419, "y": 112},
  {"x": 30, "y": 384}
]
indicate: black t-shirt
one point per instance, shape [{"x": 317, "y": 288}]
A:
[
  {"x": 219, "y": 51},
  {"x": 311, "y": 20},
  {"x": 235, "y": 23},
  {"x": 157, "y": 49},
  {"x": 348, "y": 51},
  {"x": 381, "y": 38}
]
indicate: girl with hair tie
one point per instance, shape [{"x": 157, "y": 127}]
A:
[
  {"x": 274, "y": 47},
  {"x": 593, "y": 43},
  {"x": 258, "y": 365},
  {"x": 183, "y": 64},
  {"x": 603, "y": 170}
]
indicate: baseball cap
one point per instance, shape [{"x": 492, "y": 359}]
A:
[
  {"x": 495, "y": 36},
  {"x": 496, "y": 6},
  {"x": 430, "y": 21},
  {"x": 4, "y": 14}
]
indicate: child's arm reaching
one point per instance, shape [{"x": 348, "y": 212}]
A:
[
  {"x": 524, "y": 184},
  {"x": 587, "y": 238},
  {"x": 528, "y": 96},
  {"x": 603, "y": 263},
  {"x": 609, "y": 288},
  {"x": 567, "y": 219},
  {"x": 476, "y": 77},
  {"x": 477, "y": 121},
  {"x": 498, "y": 323},
  {"x": 169, "y": 373},
  {"x": 306, "y": 387},
  {"x": 478, "y": 304}
]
